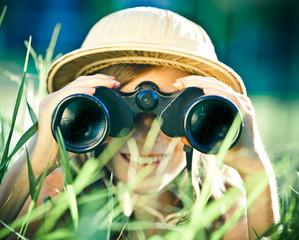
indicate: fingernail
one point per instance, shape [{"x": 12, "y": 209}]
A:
[
  {"x": 116, "y": 84},
  {"x": 208, "y": 90},
  {"x": 178, "y": 85}
]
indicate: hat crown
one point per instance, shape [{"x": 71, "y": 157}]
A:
[
  {"x": 162, "y": 27},
  {"x": 143, "y": 35}
]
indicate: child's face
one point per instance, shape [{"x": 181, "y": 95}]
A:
[{"x": 162, "y": 169}]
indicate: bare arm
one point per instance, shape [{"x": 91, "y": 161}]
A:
[
  {"x": 264, "y": 211},
  {"x": 253, "y": 165},
  {"x": 15, "y": 187},
  {"x": 250, "y": 160},
  {"x": 42, "y": 149},
  {"x": 247, "y": 157}
]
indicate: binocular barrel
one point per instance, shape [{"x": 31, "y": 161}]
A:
[
  {"x": 83, "y": 121},
  {"x": 86, "y": 121}
]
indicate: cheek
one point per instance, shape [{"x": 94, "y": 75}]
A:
[
  {"x": 118, "y": 167},
  {"x": 179, "y": 160},
  {"x": 173, "y": 166}
]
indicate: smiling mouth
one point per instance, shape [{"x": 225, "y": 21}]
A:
[{"x": 143, "y": 160}]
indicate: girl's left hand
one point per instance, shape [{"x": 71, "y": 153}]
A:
[{"x": 245, "y": 155}]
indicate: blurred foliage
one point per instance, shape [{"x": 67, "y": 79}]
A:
[{"x": 257, "y": 38}]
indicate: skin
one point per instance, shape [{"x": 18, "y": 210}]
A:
[
  {"x": 120, "y": 167},
  {"x": 247, "y": 157}
]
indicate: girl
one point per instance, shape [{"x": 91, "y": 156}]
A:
[{"x": 122, "y": 50}]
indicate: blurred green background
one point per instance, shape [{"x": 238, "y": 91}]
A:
[{"x": 257, "y": 38}]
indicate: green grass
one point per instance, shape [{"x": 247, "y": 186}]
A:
[{"x": 103, "y": 214}]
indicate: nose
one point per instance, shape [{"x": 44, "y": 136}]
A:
[
  {"x": 144, "y": 121},
  {"x": 143, "y": 124}
]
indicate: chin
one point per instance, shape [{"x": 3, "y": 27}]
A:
[
  {"x": 152, "y": 185},
  {"x": 156, "y": 176}
]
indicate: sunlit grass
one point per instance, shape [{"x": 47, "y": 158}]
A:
[
  {"x": 2, "y": 15},
  {"x": 4, "y": 156},
  {"x": 42, "y": 64}
]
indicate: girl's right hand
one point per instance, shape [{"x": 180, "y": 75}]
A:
[{"x": 43, "y": 143}]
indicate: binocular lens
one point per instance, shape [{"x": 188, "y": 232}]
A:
[
  {"x": 208, "y": 122},
  {"x": 84, "y": 122}
]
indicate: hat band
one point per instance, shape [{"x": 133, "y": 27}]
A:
[
  {"x": 203, "y": 49},
  {"x": 101, "y": 64}
]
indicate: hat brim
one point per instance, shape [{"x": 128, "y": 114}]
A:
[{"x": 70, "y": 66}]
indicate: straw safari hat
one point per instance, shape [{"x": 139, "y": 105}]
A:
[{"x": 143, "y": 35}]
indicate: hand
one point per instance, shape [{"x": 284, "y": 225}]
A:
[
  {"x": 245, "y": 155},
  {"x": 44, "y": 143}
]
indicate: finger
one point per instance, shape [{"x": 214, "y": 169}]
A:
[
  {"x": 241, "y": 101},
  {"x": 75, "y": 90},
  {"x": 53, "y": 99},
  {"x": 190, "y": 77},
  {"x": 185, "y": 141},
  {"x": 95, "y": 81},
  {"x": 200, "y": 82}
]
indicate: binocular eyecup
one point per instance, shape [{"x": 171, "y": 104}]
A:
[{"x": 86, "y": 121}]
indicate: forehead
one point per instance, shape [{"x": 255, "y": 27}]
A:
[{"x": 163, "y": 77}]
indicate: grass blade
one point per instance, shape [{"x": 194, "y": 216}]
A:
[
  {"x": 34, "y": 199},
  {"x": 68, "y": 180},
  {"x": 88, "y": 174},
  {"x": 13, "y": 231},
  {"x": 2, "y": 135},
  {"x": 28, "y": 134},
  {"x": 260, "y": 181},
  {"x": 25, "y": 137},
  {"x": 42, "y": 64},
  {"x": 50, "y": 49},
  {"x": 72, "y": 200},
  {"x": 193, "y": 228},
  {"x": 59, "y": 234},
  {"x": 31, "y": 177},
  {"x": 31, "y": 113},
  {"x": 258, "y": 237},
  {"x": 55, "y": 213},
  {"x": 64, "y": 158},
  {"x": 15, "y": 112},
  {"x": 3, "y": 14},
  {"x": 110, "y": 207}
]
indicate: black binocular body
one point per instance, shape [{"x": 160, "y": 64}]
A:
[{"x": 86, "y": 121}]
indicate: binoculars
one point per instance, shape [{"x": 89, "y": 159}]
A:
[{"x": 86, "y": 121}]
